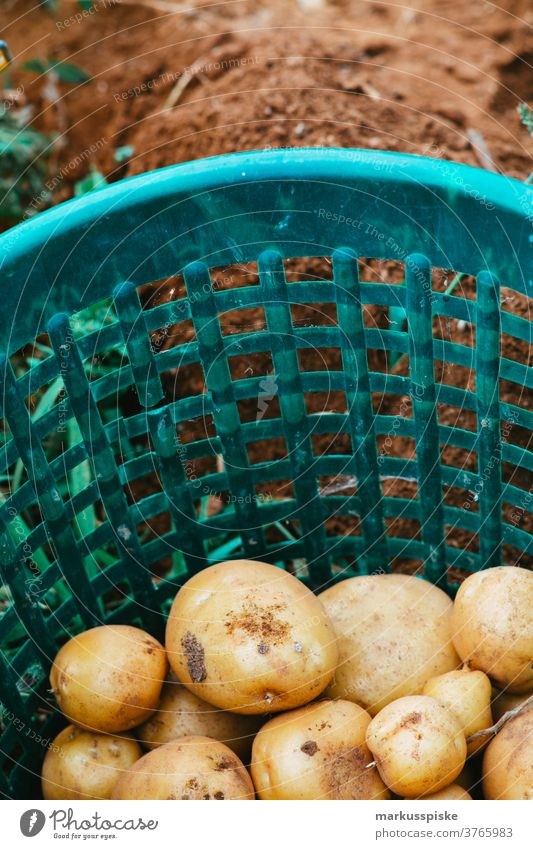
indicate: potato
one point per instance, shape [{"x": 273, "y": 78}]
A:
[
  {"x": 250, "y": 638},
  {"x": 109, "y": 678},
  {"x": 182, "y": 714},
  {"x": 467, "y": 694},
  {"x": 492, "y": 625},
  {"x": 316, "y": 752},
  {"x": 85, "y": 765},
  {"x": 503, "y": 701},
  {"x": 188, "y": 768},
  {"x": 453, "y": 791},
  {"x": 393, "y": 633},
  {"x": 508, "y": 760},
  {"x": 419, "y": 747}
]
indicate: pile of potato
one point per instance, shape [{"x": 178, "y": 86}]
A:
[{"x": 379, "y": 688}]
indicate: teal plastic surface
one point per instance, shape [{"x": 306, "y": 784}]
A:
[{"x": 264, "y": 208}]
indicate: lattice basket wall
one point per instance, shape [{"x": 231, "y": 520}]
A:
[{"x": 74, "y": 556}]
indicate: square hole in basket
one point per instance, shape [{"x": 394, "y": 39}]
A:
[
  {"x": 450, "y": 374},
  {"x": 520, "y": 515},
  {"x": 343, "y": 525},
  {"x": 187, "y": 381},
  {"x": 342, "y": 485},
  {"x": 390, "y": 445},
  {"x": 516, "y": 557},
  {"x": 307, "y": 268},
  {"x": 403, "y": 528},
  {"x": 234, "y": 276},
  {"x": 314, "y": 315},
  {"x": 248, "y": 320},
  {"x": 151, "y": 527},
  {"x": 456, "y": 496},
  {"x": 333, "y": 401},
  {"x": 519, "y": 477},
  {"x": 265, "y": 406},
  {"x": 265, "y": 450},
  {"x": 392, "y": 404},
  {"x": 457, "y": 537},
  {"x": 284, "y": 530},
  {"x": 194, "y": 430},
  {"x": 331, "y": 443},
  {"x": 243, "y": 366},
  {"x": 198, "y": 468},
  {"x": 275, "y": 490},
  {"x": 399, "y": 488},
  {"x": 161, "y": 292},
  {"x": 454, "y": 330},
  {"x": 143, "y": 487},
  {"x": 171, "y": 335},
  {"x": 116, "y": 596},
  {"x": 457, "y": 417},
  {"x": 379, "y": 361},
  {"x": 319, "y": 359},
  {"x": 459, "y": 458},
  {"x": 406, "y": 565}
]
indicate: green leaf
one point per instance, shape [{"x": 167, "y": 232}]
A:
[
  {"x": 123, "y": 153},
  {"x": 65, "y": 72},
  {"x": 94, "y": 180},
  {"x": 68, "y": 73},
  {"x": 38, "y": 66},
  {"x": 526, "y": 116}
]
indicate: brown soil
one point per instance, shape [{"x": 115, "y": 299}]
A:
[{"x": 244, "y": 74}]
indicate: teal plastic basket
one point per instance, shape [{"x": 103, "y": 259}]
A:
[{"x": 66, "y": 572}]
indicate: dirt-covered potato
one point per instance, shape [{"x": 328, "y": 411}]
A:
[
  {"x": 188, "y": 768},
  {"x": 316, "y": 752},
  {"x": 86, "y": 765},
  {"x": 419, "y": 747},
  {"x": 393, "y": 633},
  {"x": 492, "y": 625},
  {"x": 250, "y": 638},
  {"x": 183, "y": 714},
  {"x": 467, "y": 693},
  {"x": 453, "y": 791},
  {"x": 109, "y": 678},
  {"x": 508, "y": 760}
]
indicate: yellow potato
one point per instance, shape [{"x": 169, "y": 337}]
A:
[
  {"x": 453, "y": 791},
  {"x": 492, "y": 625},
  {"x": 250, "y": 638},
  {"x": 188, "y": 768},
  {"x": 393, "y": 634},
  {"x": 182, "y": 714},
  {"x": 419, "y": 747},
  {"x": 508, "y": 760},
  {"x": 467, "y": 693},
  {"x": 85, "y": 765},
  {"x": 109, "y": 678},
  {"x": 502, "y": 701},
  {"x": 316, "y": 752}
]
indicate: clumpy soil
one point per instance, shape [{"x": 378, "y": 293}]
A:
[{"x": 183, "y": 81}]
